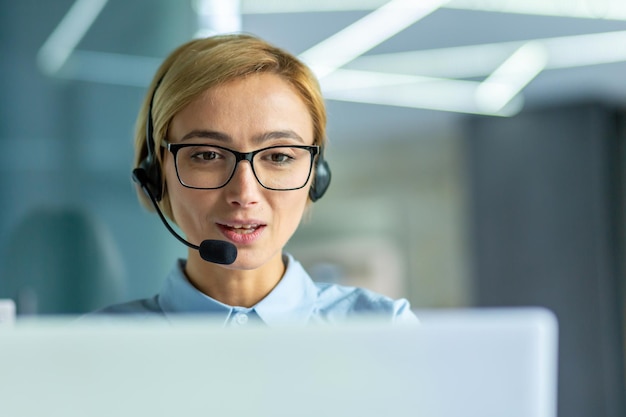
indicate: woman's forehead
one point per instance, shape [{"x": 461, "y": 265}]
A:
[{"x": 249, "y": 106}]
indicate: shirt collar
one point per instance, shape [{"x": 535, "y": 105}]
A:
[{"x": 292, "y": 301}]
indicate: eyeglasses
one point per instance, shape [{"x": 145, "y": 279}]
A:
[{"x": 208, "y": 167}]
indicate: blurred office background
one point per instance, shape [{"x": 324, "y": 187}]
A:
[{"x": 478, "y": 152}]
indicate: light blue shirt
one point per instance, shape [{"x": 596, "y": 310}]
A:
[{"x": 296, "y": 299}]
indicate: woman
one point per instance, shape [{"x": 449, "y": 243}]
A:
[{"x": 229, "y": 142}]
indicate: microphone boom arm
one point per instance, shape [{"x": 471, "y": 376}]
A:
[{"x": 215, "y": 251}]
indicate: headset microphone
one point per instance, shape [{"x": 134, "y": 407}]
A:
[{"x": 215, "y": 251}]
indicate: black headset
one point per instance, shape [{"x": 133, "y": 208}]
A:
[{"x": 148, "y": 175}]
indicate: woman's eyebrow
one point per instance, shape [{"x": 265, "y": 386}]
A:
[
  {"x": 207, "y": 134},
  {"x": 258, "y": 139},
  {"x": 277, "y": 134}
]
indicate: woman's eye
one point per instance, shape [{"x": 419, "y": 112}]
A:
[
  {"x": 205, "y": 155},
  {"x": 279, "y": 157},
  {"x": 276, "y": 157}
]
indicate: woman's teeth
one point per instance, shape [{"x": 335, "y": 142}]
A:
[{"x": 244, "y": 228}]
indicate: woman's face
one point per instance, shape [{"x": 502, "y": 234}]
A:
[{"x": 244, "y": 115}]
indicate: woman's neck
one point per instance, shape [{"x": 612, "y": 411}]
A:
[{"x": 234, "y": 287}]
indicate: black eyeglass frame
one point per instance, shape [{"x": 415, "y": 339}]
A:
[{"x": 314, "y": 150}]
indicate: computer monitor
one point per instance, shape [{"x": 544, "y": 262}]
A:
[
  {"x": 464, "y": 363},
  {"x": 7, "y": 312}
]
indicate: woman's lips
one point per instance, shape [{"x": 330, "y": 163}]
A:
[{"x": 241, "y": 232}]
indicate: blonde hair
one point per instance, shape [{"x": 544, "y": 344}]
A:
[{"x": 200, "y": 64}]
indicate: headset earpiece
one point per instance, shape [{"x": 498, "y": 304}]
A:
[
  {"x": 148, "y": 175},
  {"x": 151, "y": 177},
  {"x": 321, "y": 180}
]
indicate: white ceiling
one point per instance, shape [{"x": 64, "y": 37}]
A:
[{"x": 401, "y": 62}]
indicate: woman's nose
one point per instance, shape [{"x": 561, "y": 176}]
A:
[{"x": 243, "y": 189}]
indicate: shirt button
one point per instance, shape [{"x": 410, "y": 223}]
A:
[{"x": 241, "y": 319}]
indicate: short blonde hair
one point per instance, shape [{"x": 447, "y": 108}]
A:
[{"x": 200, "y": 64}]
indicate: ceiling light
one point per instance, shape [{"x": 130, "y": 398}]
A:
[
  {"x": 344, "y": 79},
  {"x": 64, "y": 38},
  {"x": 307, "y": 6},
  {"x": 217, "y": 17},
  {"x": 480, "y": 60},
  {"x": 366, "y": 33},
  {"x": 499, "y": 88},
  {"x": 443, "y": 95},
  {"x": 456, "y": 62},
  {"x": 589, "y": 9},
  {"x": 498, "y": 94},
  {"x": 580, "y": 50}
]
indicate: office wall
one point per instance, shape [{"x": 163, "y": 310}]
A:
[
  {"x": 394, "y": 219},
  {"x": 547, "y": 223},
  {"x": 67, "y": 144}
]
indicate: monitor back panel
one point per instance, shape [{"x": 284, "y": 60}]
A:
[{"x": 456, "y": 364}]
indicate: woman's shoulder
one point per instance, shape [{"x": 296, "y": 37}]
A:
[{"x": 341, "y": 300}]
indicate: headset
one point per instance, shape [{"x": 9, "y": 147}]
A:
[{"x": 148, "y": 175}]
